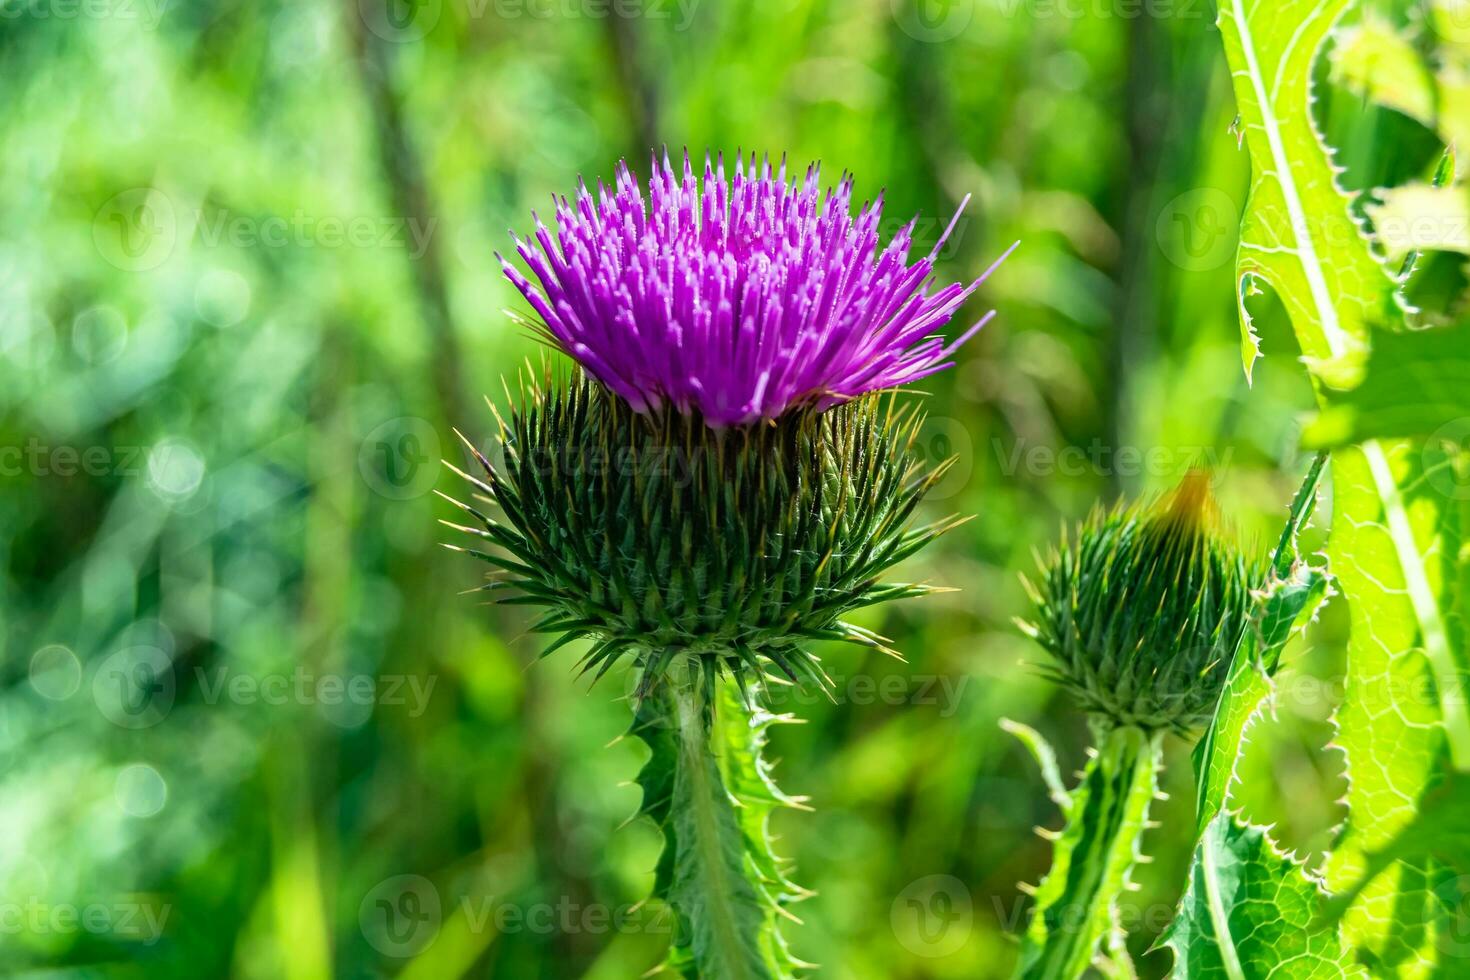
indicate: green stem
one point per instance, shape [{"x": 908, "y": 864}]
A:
[
  {"x": 708, "y": 789},
  {"x": 1076, "y": 903},
  {"x": 721, "y": 903}
]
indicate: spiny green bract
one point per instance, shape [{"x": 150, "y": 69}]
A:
[
  {"x": 657, "y": 536},
  {"x": 1142, "y": 613}
]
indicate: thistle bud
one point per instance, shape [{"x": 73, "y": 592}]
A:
[{"x": 1142, "y": 609}]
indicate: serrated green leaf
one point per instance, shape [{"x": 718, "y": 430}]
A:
[
  {"x": 1291, "y": 596},
  {"x": 1377, "y": 62},
  {"x": 1046, "y": 759},
  {"x": 1295, "y": 217},
  {"x": 1438, "y": 838},
  {"x": 1076, "y": 903},
  {"x": 710, "y": 890},
  {"x": 740, "y": 744},
  {"x": 1403, "y": 715},
  {"x": 1250, "y": 912},
  {"x": 1424, "y": 870},
  {"x": 1421, "y": 217},
  {"x": 1402, "y": 721},
  {"x": 1417, "y": 383}
]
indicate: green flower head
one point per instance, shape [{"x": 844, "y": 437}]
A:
[
  {"x": 1141, "y": 610},
  {"x": 657, "y": 536}
]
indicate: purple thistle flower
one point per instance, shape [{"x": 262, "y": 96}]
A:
[{"x": 739, "y": 299}]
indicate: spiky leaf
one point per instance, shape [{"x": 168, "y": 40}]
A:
[
  {"x": 1291, "y": 594},
  {"x": 1396, "y": 550},
  {"x": 1076, "y": 904},
  {"x": 1250, "y": 912},
  {"x": 1296, "y": 221},
  {"x": 1395, "y": 543}
]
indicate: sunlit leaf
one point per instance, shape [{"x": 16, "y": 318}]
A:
[
  {"x": 1379, "y": 63},
  {"x": 1417, "y": 384},
  {"x": 1438, "y": 838},
  {"x": 1395, "y": 550},
  {"x": 1251, "y": 912},
  {"x": 1376, "y": 61},
  {"x": 1296, "y": 217},
  {"x": 1291, "y": 595},
  {"x": 1421, "y": 217},
  {"x": 1395, "y": 541}
]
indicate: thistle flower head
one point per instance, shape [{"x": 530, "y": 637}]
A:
[
  {"x": 1141, "y": 611},
  {"x": 737, "y": 299},
  {"x": 656, "y": 536}
]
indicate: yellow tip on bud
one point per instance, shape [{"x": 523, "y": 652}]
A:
[{"x": 1191, "y": 508}]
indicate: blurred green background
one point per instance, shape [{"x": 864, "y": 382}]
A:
[{"x": 249, "y": 726}]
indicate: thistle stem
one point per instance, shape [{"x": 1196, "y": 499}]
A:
[
  {"x": 707, "y": 788},
  {"x": 721, "y": 918},
  {"x": 1076, "y": 905}
]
